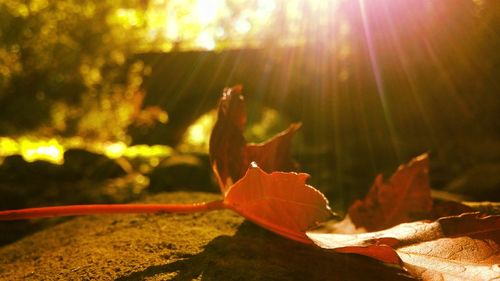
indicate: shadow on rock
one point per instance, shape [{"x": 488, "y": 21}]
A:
[{"x": 253, "y": 254}]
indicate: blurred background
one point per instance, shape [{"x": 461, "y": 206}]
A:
[{"x": 105, "y": 101}]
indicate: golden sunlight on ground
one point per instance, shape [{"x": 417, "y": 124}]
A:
[
  {"x": 52, "y": 149},
  {"x": 49, "y": 150}
]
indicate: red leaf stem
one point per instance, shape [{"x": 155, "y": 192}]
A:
[{"x": 76, "y": 210}]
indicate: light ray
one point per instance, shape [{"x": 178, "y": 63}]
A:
[{"x": 378, "y": 78}]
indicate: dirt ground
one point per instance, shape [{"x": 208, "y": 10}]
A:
[{"x": 219, "y": 245}]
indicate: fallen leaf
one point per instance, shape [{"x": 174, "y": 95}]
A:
[
  {"x": 281, "y": 202},
  {"x": 465, "y": 247},
  {"x": 405, "y": 197},
  {"x": 230, "y": 155}
]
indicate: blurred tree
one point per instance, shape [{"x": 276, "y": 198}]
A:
[{"x": 64, "y": 60}]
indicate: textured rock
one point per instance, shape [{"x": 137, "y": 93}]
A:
[{"x": 219, "y": 245}]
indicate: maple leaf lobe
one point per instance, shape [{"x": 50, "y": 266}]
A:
[
  {"x": 405, "y": 197},
  {"x": 281, "y": 202}
]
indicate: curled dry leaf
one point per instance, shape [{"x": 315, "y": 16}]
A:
[
  {"x": 230, "y": 155},
  {"x": 226, "y": 141},
  {"x": 405, "y": 197},
  {"x": 465, "y": 247},
  {"x": 281, "y": 202}
]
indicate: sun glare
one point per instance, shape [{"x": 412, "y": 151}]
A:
[
  {"x": 206, "y": 41},
  {"x": 52, "y": 150},
  {"x": 211, "y": 24},
  {"x": 206, "y": 10}
]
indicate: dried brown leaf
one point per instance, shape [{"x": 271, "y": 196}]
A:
[
  {"x": 465, "y": 247},
  {"x": 405, "y": 197}
]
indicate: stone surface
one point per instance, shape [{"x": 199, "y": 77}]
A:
[
  {"x": 182, "y": 172},
  {"x": 81, "y": 163},
  {"x": 219, "y": 245},
  {"x": 15, "y": 169}
]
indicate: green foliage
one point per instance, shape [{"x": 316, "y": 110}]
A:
[{"x": 68, "y": 54}]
